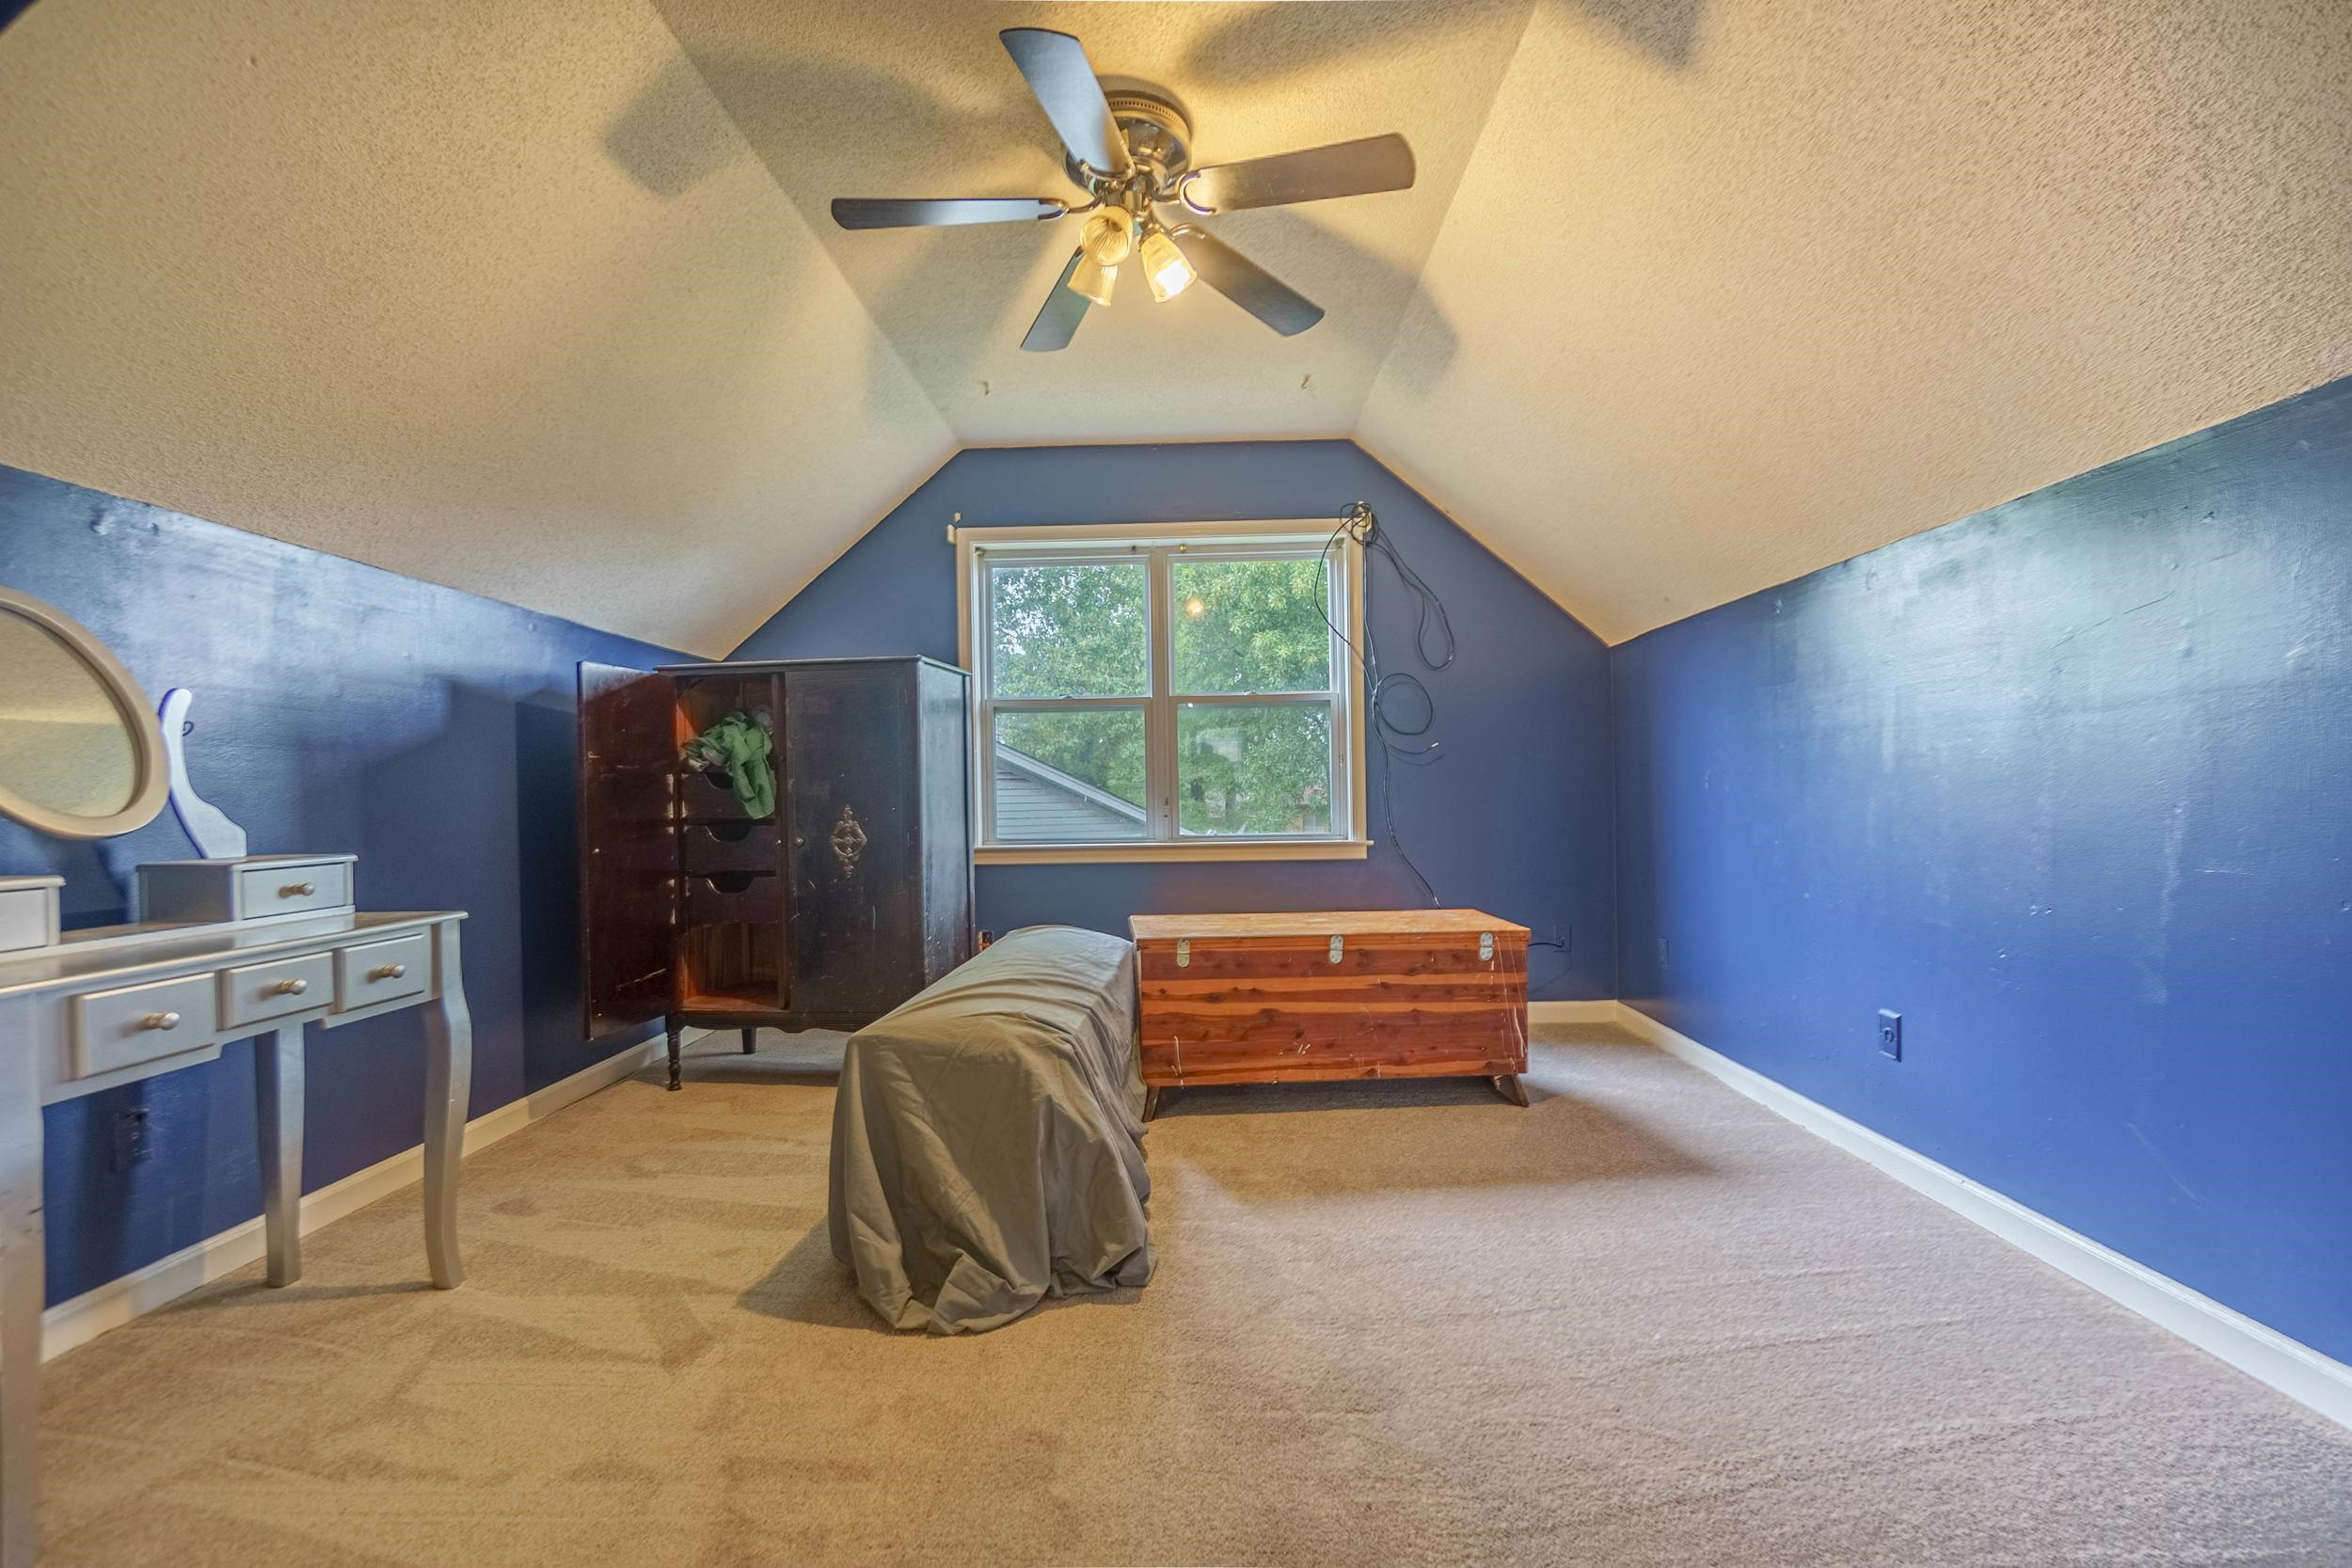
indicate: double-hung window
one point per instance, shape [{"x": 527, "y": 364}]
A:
[{"x": 1165, "y": 691}]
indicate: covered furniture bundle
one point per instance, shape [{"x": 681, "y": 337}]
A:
[{"x": 987, "y": 1139}]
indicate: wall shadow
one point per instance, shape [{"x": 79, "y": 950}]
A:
[
  {"x": 1260, "y": 44},
  {"x": 664, "y": 138},
  {"x": 1292, "y": 243},
  {"x": 548, "y": 955},
  {"x": 1666, "y": 31}
]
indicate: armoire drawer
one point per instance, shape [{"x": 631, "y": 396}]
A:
[
  {"x": 137, "y": 1024},
  {"x": 728, "y": 846},
  {"x": 703, "y": 798},
  {"x": 710, "y": 900}
]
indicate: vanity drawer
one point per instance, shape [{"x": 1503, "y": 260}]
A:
[
  {"x": 258, "y": 993},
  {"x": 290, "y": 889},
  {"x": 253, "y": 887},
  {"x": 29, "y": 912},
  {"x": 383, "y": 972},
  {"x": 117, "y": 1029}
]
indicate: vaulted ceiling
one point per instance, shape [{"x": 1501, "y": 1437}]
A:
[
  {"x": 921, "y": 99},
  {"x": 541, "y": 297}
]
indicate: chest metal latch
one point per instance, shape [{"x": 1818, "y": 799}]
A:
[
  {"x": 1184, "y": 952},
  {"x": 1338, "y": 946},
  {"x": 1485, "y": 946}
]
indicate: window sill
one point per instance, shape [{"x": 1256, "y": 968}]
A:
[{"x": 1209, "y": 849}]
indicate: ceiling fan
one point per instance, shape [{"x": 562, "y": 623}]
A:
[{"x": 1131, "y": 150}]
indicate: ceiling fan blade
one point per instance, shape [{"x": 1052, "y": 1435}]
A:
[
  {"x": 1246, "y": 283},
  {"x": 1065, "y": 307},
  {"x": 1059, "y": 72},
  {"x": 852, "y": 212},
  {"x": 1314, "y": 174}
]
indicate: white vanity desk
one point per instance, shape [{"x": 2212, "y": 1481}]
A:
[{"x": 110, "y": 1006}]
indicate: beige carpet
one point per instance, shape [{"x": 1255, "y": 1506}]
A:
[{"x": 1642, "y": 1323}]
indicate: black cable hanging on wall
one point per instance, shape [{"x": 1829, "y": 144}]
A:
[{"x": 1396, "y": 737}]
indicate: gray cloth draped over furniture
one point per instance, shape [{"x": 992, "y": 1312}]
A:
[{"x": 987, "y": 1138}]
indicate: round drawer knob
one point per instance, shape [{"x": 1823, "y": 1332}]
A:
[
  {"x": 290, "y": 987},
  {"x": 388, "y": 972},
  {"x": 160, "y": 1020},
  {"x": 297, "y": 890}
]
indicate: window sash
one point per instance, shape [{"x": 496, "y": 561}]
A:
[{"x": 1162, "y": 705}]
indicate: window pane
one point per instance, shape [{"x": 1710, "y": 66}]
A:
[
  {"x": 1069, "y": 631},
  {"x": 1247, "y": 769},
  {"x": 1251, "y": 626},
  {"x": 1068, "y": 778}
]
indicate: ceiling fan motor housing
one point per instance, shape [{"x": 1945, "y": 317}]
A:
[{"x": 1159, "y": 138}]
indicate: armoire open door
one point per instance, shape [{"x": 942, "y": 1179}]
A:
[{"x": 629, "y": 861}]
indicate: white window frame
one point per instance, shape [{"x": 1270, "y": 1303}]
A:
[{"x": 1158, "y": 545}]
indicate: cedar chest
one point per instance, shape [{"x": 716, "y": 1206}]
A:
[{"x": 1379, "y": 993}]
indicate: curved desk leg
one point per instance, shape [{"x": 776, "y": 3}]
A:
[
  {"x": 448, "y": 1084},
  {"x": 22, "y": 1283},
  {"x": 277, "y": 1094}
]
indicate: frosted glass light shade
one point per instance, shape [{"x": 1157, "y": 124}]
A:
[
  {"x": 1092, "y": 280},
  {"x": 1108, "y": 236},
  {"x": 1164, "y": 267}
]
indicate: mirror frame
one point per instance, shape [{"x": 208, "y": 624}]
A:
[{"x": 152, "y": 783}]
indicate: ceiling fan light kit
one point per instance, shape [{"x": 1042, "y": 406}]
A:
[
  {"x": 1091, "y": 281},
  {"x": 1164, "y": 265},
  {"x": 1131, "y": 151},
  {"x": 1109, "y": 236}
]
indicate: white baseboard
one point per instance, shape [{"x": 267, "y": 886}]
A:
[
  {"x": 117, "y": 1302},
  {"x": 2294, "y": 1369},
  {"x": 1571, "y": 1012}
]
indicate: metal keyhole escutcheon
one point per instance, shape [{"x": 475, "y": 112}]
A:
[{"x": 848, "y": 841}]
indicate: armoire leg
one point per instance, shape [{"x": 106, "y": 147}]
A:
[
  {"x": 750, "y": 1041},
  {"x": 675, "y": 1083}
]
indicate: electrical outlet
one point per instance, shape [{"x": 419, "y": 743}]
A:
[
  {"x": 1890, "y": 1034},
  {"x": 130, "y": 1137},
  {"x": 1661, "y": 952}
]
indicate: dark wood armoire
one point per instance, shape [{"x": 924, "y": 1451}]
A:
[{"x": 853, "y": 896}]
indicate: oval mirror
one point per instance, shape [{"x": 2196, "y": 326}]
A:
[{"x": 80, "y": 756}]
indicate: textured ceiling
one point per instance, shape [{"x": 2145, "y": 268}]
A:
[
  {"x": 920, "y": 99},
  {"x": 490, "y": 294},
  {"x": 541, "y": 299},
  {"x": 1820, "y": 279}
]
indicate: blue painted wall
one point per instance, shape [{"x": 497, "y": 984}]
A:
[
  {"x": 2069, "y": 784},
  {"x": 338, "y": 707},
  {"x": 1514, "y": 818}
]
